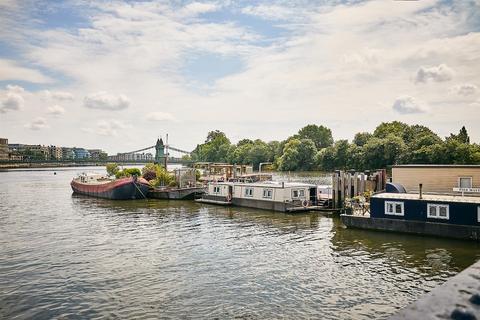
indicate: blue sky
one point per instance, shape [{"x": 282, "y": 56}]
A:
[{"x": 112, "y": 74}]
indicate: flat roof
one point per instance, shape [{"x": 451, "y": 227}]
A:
[
  {"x": 436, "y": 166},
  {"x": 427, "y": 197},
  {"x": 273, "y": 184}
]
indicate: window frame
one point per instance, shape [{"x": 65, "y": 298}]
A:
[
  {"x": 269, "y": 194},
  {"x": 293, "y": 192},
  {"x": 437, "y": 207},
  {"x": 299, "y": 195},
  {"x": 248, "y": 193},
  {"x": 464, "y": 177},
  {"x": 216, "y": 189},
  {"x": 394, "y": 207}
]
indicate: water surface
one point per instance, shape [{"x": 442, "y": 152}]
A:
[{"x": 77, "y": 257}]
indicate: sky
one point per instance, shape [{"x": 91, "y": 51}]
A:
[{"x": 117, "y": 75}]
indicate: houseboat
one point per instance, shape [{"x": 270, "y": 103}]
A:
[
  {"x": 450, "y": 216},
  {"x": 99, "y": 186},
  {"x": 437, "y": 200},
  {"x": 268, "y": 195}
]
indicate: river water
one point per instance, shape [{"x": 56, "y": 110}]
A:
[{"x": 73, "y": 257}]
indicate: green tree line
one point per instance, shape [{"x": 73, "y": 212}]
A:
[{"x": 313, "y": 148}]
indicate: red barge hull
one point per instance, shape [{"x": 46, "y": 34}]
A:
[{"x": 121, "y": 189}]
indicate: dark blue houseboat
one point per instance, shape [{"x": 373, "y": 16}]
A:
[{"x": 452, "y": 216}]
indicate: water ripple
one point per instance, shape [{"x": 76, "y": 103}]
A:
[{"x": 63, "y": 256}]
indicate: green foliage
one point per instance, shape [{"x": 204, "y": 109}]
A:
[
  {"x": 313, "y": 148},
  {"x": 149, "y": 171},
  {"x": 320, "y": 135},
  {"x": 163, "y": 178},
  {"x": 461, "y": 137},
  {"x": 112, "y": 169},
  {"x": 128, "y": 173},
  {"x": 362, "y": 138},
  {"x": 215, "y": 149},
  {"x": 395, "y": 143},
  {"x": 298, "y": 155}
]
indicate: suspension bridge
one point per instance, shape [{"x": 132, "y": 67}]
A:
[{"x": 162, "y": 154}]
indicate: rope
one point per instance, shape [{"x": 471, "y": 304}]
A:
[{"x": 135, "y": 184}]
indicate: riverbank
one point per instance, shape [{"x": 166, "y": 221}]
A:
[{"x": 33, "y": 165}]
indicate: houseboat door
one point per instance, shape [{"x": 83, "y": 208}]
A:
[
  {"x": 230, "y": 193},
  {"x": 313, "y": 196}
]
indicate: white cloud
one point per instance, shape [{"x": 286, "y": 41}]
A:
[
  {"x": 15, "y": 89},
  {"x": 58, "y": 95},
  {"x": 466, "y": 89},
  {"x": 196, "y": 8},
  {"x": 56, "y": 110},
  {"x": 160, "y": 116},
  {"x": 438, "y": 73},
  {"x": 12, "y": 99},
  {"x": 108, "y": 127},
  {"x": 327, "y": 60},
  {"x": 269, "y": 12},
  {"x": 37, "y": 124},
  {"x": 105, "y": 101},
  {"x": 10, "y": 70},
  {"x": 407, "y": 104}
]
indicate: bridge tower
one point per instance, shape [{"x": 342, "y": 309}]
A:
[{"x": 159, "y": 151}]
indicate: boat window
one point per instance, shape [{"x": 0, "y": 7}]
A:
[
  {"x": 249, "y": 192},
  {"x": 216, "y": 190},
  {"x": 295, "y": 194},
  {"x": 394, "y": 208},
  {"x": 302, "y": 193},
  {"x": 438, "y": 211},
  {"x": 465, "y": 182},
  {"x": 267, "y": 193}
]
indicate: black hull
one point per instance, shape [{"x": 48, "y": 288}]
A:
[{"x": 124, "y": 192}]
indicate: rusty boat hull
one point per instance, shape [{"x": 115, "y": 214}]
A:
[{"x": 120, "y": 189}]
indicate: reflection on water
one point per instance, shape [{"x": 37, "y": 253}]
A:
[{"x": 73, "y": 256}]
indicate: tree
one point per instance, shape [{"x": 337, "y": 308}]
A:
[
  {"x": 289, "y": 160},
  {"x": 320, "y": 135},
  {"x": 215, "y": 149},
  {"x": 461, "y": 137},
  {"x": 259, "y": 152},
  {"x": 379, "y": 153},
  {"x": 361, "y": 138},
  {"x": 298, "y": 155},
  {"x": 396, "y": 128},
  {"x": 112, "y": 169}
]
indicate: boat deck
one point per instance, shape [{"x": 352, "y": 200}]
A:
[{"x": 210, "y": 201}]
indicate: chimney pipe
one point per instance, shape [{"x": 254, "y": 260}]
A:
[{"x": 420, "y": 187}]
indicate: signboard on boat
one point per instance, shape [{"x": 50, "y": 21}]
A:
[{"x": 472, "y": 190}]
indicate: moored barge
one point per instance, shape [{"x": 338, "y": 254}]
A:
[
  {"x": 452, "y": 216},
  {"x": 100, "y": 186},
  {"x": 269, "y": 195}
]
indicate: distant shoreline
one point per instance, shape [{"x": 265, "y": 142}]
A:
[{"x": 35, "y": 165}]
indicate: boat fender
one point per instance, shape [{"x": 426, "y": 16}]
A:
[{"x": 305, "y": 203}]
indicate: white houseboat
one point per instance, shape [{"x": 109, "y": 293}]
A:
[{"x": 268, "y": 195}]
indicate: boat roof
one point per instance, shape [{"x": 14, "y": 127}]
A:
[
  {"x": 269, "y": 184},
  {"x": 436, "y": 166},
  {"x": 427, "y": 197}
]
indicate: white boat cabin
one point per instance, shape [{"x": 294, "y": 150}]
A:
[{"x": 267, "y": 191}]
